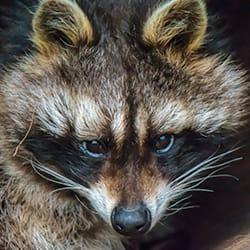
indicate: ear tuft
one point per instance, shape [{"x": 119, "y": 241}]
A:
[
  {"x": 59, "y": 24},
  {"x": 177, "y": 24}
]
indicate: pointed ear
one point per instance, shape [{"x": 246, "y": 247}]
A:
[
  {"x": 60, "y": 24},
  {"x": 177, "y": 24}
]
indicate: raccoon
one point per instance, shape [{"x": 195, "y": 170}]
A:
[{"x": 112, "y": 112}]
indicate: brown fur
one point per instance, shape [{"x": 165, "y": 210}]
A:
[
  {"x": 32, "y": 219},
  {"x": 171, "y": 19},
  {"x": 60, "y": 16},
  {"x": 88, "y": 91}
]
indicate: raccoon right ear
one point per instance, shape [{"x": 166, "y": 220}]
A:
[
  {"x": 179, "y": 25},
  {"x": 60, "y": 24}
]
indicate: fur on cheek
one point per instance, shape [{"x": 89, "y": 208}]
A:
[{"x": 33, "y": 219}]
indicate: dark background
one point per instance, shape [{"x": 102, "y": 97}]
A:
[{"x": 234, "y": 15}]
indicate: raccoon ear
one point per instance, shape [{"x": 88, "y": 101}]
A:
[
  {"x": 177, "y": 24},
  {"x": 60, "y": 24}
]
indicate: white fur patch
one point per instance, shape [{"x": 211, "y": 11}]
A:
[
  {"x": 90, "y": 121},
  {"x": 118, "y": 126},
  {"x": 102, "y": 202},
  {"x": 171, "y": 117}
]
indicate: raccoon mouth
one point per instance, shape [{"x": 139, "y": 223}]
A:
[{"x": 131, "y": 222}]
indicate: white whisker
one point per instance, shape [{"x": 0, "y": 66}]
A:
[
  {"x": 43, "y": 176},
  {"x": 192, "y": 179},
  {"x": 59, "y": 179},
  {"x": 84, "y": 205},
  {"x": 184, "y": 207},
  {"x": 200, "y": 167},
  {"x": 65, "y": 189},
  {"x": 178, "y": 202}
]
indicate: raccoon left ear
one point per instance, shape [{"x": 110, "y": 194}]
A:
[
  {"x": 177, "y": 24},
  {"x": 60, "y": 24}
]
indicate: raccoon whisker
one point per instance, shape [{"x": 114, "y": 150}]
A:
[
  {"x": 179, "y": 190},
  {"x": 225, "y": 175},
  {"x": 206, "y": 167},
  {"x": 60, "y": 179},
  {"x": 182, "y": 189},
  {"x": 212, "y": 174},
  {"x": 85, "y": 206},
  {"x": 65, "y": 189},
  {"x": 203, "y": 179},
  {"x": 187, "y": 190},
  {"x": 65, "y": 181},
  {"x": 178, "y": 202},
  {"x": 210, "y": 167},
  {"x": 190, "y": 180},
  {"x": 201, "y": 166},
  {"x": 199, "y": 190},
  {"x": 184, "y": 207},
  {"x": 226, "y": 162},
  {"x": 166, "y": 215},
  {"x": 203, "y": 163},
  {"x": 69, "y": 186},
  {"x": 35, "y": 168},
  {"x": 173, "y": 206}
]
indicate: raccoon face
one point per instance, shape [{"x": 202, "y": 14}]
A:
[{"x": 131, "y": 123}]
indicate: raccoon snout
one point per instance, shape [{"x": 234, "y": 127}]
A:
[{"x": 131, "y": 222}]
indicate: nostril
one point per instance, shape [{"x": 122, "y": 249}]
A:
[
  {"x": 119, "y": 227},
  {"x": 138, "y": 228},
  {"x": 131, "y": 221}
]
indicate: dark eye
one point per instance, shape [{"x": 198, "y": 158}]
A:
[
  {"x": 162, "y": 144},
  {"x": 95, "y": 149}
]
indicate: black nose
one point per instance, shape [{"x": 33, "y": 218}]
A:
[{"x": 131, "y": 222}]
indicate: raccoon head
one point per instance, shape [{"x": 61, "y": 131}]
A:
[{"x": 121, "y": 106}]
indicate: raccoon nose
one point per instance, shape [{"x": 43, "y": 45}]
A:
[{"x": 131, "y": 222}]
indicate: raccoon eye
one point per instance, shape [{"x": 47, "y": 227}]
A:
[
  {"x": 94, "y": 149},
  {"x": 162, "y": 144}
]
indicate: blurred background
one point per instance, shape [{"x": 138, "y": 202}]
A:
[{"x": 234, "y": 16}]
